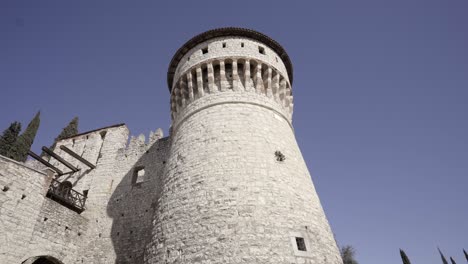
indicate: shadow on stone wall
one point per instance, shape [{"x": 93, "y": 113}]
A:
[{"x": 133, "y": 203}]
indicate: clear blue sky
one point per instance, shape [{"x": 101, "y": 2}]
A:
[{"x": 381, "y": 93}]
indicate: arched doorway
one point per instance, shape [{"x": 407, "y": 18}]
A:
[{"x": 42, "y": 260}]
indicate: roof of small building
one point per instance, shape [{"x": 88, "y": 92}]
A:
[{"x": 224, "y": 32}]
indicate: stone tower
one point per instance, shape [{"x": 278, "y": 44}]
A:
[{"x": 236, "y": 188}]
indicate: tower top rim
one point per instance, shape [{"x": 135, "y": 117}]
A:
[{"x": 225, "y": 32}]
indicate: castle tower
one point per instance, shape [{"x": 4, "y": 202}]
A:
[{"x": 236, "y": 187}]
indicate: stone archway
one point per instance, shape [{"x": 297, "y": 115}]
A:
[{"x": 42, "y": 260}]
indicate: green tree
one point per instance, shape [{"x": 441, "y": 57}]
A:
[
  {"x": 466, "y": 254},
  {"x": 21, "y": 147},
  {"x": 9, "y": 137},
  {"x": 70, "y": 130},
  {"x": 404, "y": 258},
  {"x": 347, "y": 254}
]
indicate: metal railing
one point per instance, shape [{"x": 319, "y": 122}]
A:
[{"x": 63, "y": 193}]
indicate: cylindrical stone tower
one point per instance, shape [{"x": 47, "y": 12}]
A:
[{"x": 236, "y": 188}]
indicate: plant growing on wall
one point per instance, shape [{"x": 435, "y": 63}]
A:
[{"x": 9, "y": 137}]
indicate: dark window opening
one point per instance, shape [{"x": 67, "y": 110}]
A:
[
  {"x": 205, "y": 74},
  {"x": 300, "y": 244},
  {"x": 138, "y": 175},
  {"x": 261, "y": 50},
  {"x": 242, "y": 44},
  {"x": 103, "y": 134},
  {"x": 205, "y": 50},
  {"x": 224, "y": 44},
  {"x": 228, "y": 68}
]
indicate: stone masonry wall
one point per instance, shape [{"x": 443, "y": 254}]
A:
[
  {"x": 115, "y": 226},
  {"x": 21, "y": 198},
  {"x": 227, "y": 199},
  {"x": 30, "y": 224},
  {"x": 119, "y": 211}
]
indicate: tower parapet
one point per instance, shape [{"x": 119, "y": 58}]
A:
[{"x": 230, "y": 60}]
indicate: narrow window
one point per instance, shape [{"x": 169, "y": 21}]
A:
[
  {"x": 261, "y": 50},
  {"x": 138, "y": 175},
  {"x": 242, "y": 44},
  {"x": 188, "y": 58},
  {"x": 300, "y": 244},
  {"x": 224, "y": 44},
  {"x": 205, "y": 50}
]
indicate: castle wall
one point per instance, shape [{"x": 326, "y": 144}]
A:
[
  {"x": 119, "y": 210},
  {"x": 226, "y": 198},
  {"x": 21, "y": 198},
  {"x": 134, "y": 200},
  {"x": 30, "y": 224},
  {"x": 115, "y": 226}
]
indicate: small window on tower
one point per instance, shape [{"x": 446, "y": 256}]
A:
[
  {"x": 301, "y": 246},
  {"x": 224, "y": 44},
  {"x": 242, "y": 44},
  {"x": 261, "y": 50},
  {"x": 138, "y": 175},
  {"x": 205, "y": 50}
]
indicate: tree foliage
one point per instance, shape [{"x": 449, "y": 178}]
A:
[
  {"x": 347, "y": 254},
  {"x": 404, "y": 257},
  {"x": 9, "y": 137},
  {"x": 444, "y": 260},
  {"x": 22, "y": 145},
  {"x": 70, "y": 130}
]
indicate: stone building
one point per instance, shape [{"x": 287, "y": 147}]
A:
[{"x": 228, "y": 185}]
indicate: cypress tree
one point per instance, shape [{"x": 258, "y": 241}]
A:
[
  {"x": 444, "y": 260},
  {"x": 70, "y": 130},
  {"x": 466, "y": 254},
  {"x": 20, "y": 149},
  {"x": 404, "y": 258},
  {"x": 9, "y": 137},
  {"x": 452, "y": 260}
]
